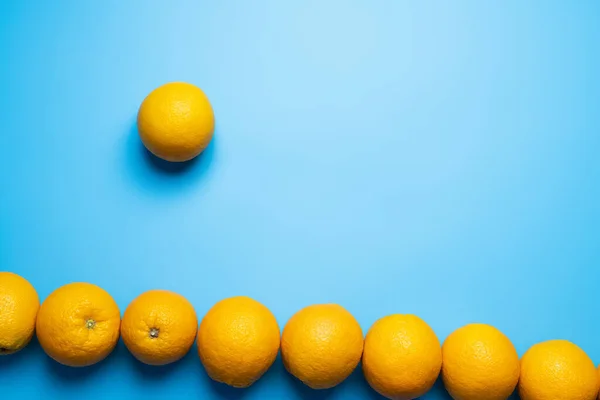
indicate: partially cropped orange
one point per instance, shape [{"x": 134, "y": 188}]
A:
[
  {"x": 557, "y": 369},
  {"x": 159, "y": 327},
  {"x": 19, "y": 304},
  {"x": 599, "y": 380},
  {"x": 402, "y": 357},
  {"x": 176, "y": 121},
  {"x": 238, "y": 340},
  {"x": 321, "y": 345},
  {"x": 78, "y": 324}
]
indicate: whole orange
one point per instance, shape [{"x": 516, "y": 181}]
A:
[
  {"x": 78, "y": 324},
  {"x": 321, "y": 345},
  {"x": 159, "y": 327},
  {"x": 402, "y": 357},
  {"x": 479, "y": 362},
  {"x": 176, "y": 121},
  {"x": 19, "y": 304},
  {"x": 557, "y": 369},
  {"x": 238, "y": 340}
]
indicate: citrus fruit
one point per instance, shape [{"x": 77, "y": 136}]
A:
[
  {"x": 78, "y": 324},
  {"x": 238, "y": 341},
  {"x": 19, "y": 304},
  {"x": 321, "y": 345},
  {"x": 557, "y": 369},
  {"x": 176, "y": 121},
  {"x": 402, "y": 357},
  {"x": 479, "y": 362},
  {"x": 599, "y": 380},
  {"x": 159, "y": 327}
]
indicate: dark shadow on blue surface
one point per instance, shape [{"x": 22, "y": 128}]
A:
[
  {"x": 158, "y": 176},
  {"x": 81, "y": 375},
  {"x": 439, "y": 392},
  {"x": 226, "y": 392},
  {"x": 166, "y": 167},
  {"x": 156, "y": 373},
  {"x": 355, "y": 383},
  {"x": 20, "y": 357},
  {"x": 306, "y": 392},
  {"x": 515, "y": 395}
]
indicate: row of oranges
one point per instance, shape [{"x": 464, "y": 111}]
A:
[{"x": 238, "y": 340}]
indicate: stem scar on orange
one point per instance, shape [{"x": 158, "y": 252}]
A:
[
  {"x": 78, "y": 324},
  {"x": 159, "y": 327}
]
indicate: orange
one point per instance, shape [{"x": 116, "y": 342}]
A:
[
  {"x": 321, "y": 345},
  {"x": 238, "y": 341},
  {"x": 402, "y": 357},
  {"x": 19, "y": 304},
  {"x": 480, "y": 362},
  {"x": 599, "y": 380},
  {"x": 176, "y": 121},
  {"x": 557, "y": 369},
  {"x": 159, "y": 327},
  {"x": 78, "y": 324}
]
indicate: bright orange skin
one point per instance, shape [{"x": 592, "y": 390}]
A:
[
  {"x": 159, "y": 327},
  {"x": 238, "y": 341},
  {"x": 19, "y": 305},
  {"x": 78, "y": 324},
  {"x": 480, "y": 362},
  {"x": 599, "y": 380},
  {"x": 402, "y": 357},
  {"x": 557, "y": 369},
  {"x": 321, "y": 345},
  {"x": 176, "y": 121}
]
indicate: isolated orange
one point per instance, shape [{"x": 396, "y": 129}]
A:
[
  {"x": 321, "y": 345},
  {"x": 19, "y": 304},
  {"x": 78, "y": 324},
  {"x": 402, "y": 357},
  {"x": 238, "y": 341},
  {"x": 480, "y": 362},
  {"x": 176, "y": 121},
  {"x": 557, "y": 369},
  {"x": 159, "y": 327}
]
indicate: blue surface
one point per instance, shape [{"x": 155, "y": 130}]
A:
[{"x": 436, "y": 158}]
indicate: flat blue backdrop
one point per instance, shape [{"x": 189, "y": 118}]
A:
[{"x": 428, "y": 157}]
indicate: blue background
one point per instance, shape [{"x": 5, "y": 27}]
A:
[{"x": 432, "y": 157}]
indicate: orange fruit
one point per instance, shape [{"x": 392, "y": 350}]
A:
[
  {"x": 321, "y": 345},
  {"x": 159, "y": 327},
  {"x": 176, "y": 121},
  {"x": 78, "y": 324},
  {"x": 402, "y": 357},
  {"x": 19, "y": 304},
  {"x": 238, "y": 341},
  {"x": 480, "y": 362},
  {"x": 599, "y": 380},
  {"x": 557, "y": 369}
]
